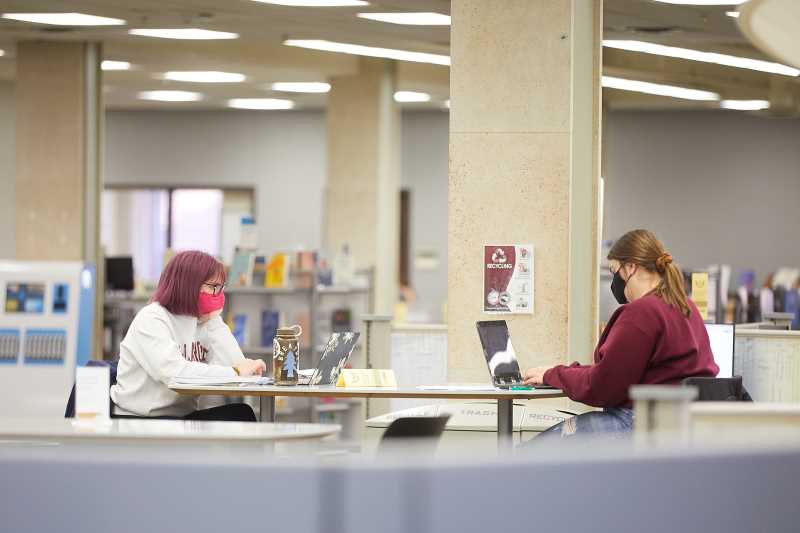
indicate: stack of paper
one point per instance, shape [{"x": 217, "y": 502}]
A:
[{"x": 210, "y": 380}]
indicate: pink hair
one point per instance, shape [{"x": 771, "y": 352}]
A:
[{"x": 180, "y": 282}]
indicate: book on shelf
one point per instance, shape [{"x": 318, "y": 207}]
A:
[
  {"x": 259, "y": 272},
  {"x": 277, "y": 271},
  {"x": 239, "y": 329},
  {"x": 341, "y": 320},
  {"x": 270, "y": 320},
  {"x": 241, "y": 271}
]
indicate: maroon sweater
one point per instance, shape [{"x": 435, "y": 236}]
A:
[{"x": 645, "y": 341}]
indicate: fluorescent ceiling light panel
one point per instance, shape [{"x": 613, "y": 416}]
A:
[
  {"x": 64, "y": 19},
  {"x": 734, "y": 14},
  {"x": 447, "y": 103},
  {"x": 745, "y": 105},
  {"x": 703, "y": 2},
  {"x": 301, "y": 87},
  {"x": 108, "y": 64},
  {"x": 170, "y": 96},
  {"x": 260, "y": 103},
  {"x": 705, "y": 57},
  {"x": 409, "y": 19},
  {"x": 371, "y": 51},
  {"x": 658, "y": 89},
  {"x": 316, "y": 3},
  {"x": 411, "y": 96},
  {"x": 204, "y": 76},
  {"x": 2, "y": 53},
  {"x": 184, "y": 33}
]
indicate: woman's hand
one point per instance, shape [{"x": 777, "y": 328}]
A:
[
  {"x": 202, "y": 319},
  {"x": 251, "y": 367},
  {"x": 535, "y": 376}
]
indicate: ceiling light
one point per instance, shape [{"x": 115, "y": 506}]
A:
[
  {"x": 371, "y": 51},
  {"x": 107, "y": 64},
  {"x": 658, "y": 89},
  {"x": 411, "y": 96},
  {"x": 184, "y": 33},
  {"x": 204, "y": 76},
  {"x": 447, "y": 103},
  {"x": 2, "y": 53},
  {"x": 734, "y": 14},
  {"x": 64, "y": 19},
  {"x": 745, "y": 105},
  {"x": 410, "y": 19},
  {"x": 316, "y": 3},
  {"x": 171, "y": 96},
  {"x": 703, "y": 2},
  {"x": 705, "y": 57},
  {"x": 260, "y": 103},
  {"x": 301, "y": 87}
]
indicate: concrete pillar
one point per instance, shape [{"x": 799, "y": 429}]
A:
[
  {"x": 59, "y": 128},
  {"x": 524, "y": 168},
  {"x": 362, "y": 194}
]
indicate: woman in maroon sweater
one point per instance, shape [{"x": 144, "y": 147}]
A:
[{"x": 656, "y": 337}]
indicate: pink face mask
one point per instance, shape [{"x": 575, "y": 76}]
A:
[{"x": 208, "y": 303}]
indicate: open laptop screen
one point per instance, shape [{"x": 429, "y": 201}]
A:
[
  {"x": 498, "y": 351},
  {"x": 721, "y": 337}
]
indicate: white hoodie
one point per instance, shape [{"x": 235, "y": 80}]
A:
[{"x": 160, "y": 346}]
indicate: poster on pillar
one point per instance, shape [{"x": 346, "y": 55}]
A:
[{"x": 508, "y": 279}]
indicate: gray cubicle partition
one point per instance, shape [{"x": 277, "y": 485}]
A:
[{"x": 625, "y": 490}]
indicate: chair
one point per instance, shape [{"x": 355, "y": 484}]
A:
[
  {"x": 69, "y": 412},
  {"x": 719, "y": 389},
  {"x": 422, "y": 433}
]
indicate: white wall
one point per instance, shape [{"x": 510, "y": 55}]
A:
[
  {"x": 281, "y": 155},
  {"x": 7, "y": 172},
  {"x": 714, "y": 186}
]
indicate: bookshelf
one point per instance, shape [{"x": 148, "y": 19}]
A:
[{"x": 317, "y": 303}]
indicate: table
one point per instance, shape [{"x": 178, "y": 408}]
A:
[
  {"x": 138, "y": 431},
  {"x": 266, "y": 393}
]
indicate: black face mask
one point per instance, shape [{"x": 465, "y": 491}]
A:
[{"x": 618, "y": 288}]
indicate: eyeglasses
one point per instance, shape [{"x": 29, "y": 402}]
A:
[{"x": 216, "y": 288}]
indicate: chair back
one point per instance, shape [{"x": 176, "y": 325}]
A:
[
  {"x": 423, "y": 431},
  {"x": 719, "y": 389}
]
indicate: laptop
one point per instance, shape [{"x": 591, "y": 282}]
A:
[
  {"x": 337, "y": 352},
  {"x": 499, "y": 354},
  {"x": 721, "y": 337}
]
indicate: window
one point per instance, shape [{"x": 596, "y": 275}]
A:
[{"x": 144, "y": 223}]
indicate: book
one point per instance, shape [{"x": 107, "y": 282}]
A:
[
  {"x": 239, "y": 329},
  {"x": 341, "y": 320},
  {"x": 277, "y": 271},
  {"x": 241, "y": 271},
  {"x": 269, "y": 326},
  {"x": 259, "y": 272}
]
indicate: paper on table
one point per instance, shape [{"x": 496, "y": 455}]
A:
[
  {"x": 209, "y": 380},
  {"x": 470, "y": 388}
]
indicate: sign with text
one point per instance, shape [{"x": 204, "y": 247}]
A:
[
  {"x": 508, "y": 279},
  {"x": 700, "y": 292}
]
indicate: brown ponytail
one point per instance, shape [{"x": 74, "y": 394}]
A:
[{"x": 641, "y": 247}]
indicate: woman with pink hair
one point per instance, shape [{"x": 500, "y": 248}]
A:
[{"x": 181, "y": 333}]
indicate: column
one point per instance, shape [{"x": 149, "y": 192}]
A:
[
  {"x": 524, "y": 168},
  {"x": 59, "y": 127}
]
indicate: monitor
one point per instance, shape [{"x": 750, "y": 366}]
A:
[
  {"x": 721, "y": 337},
  {"x": 119, "y": 273}
]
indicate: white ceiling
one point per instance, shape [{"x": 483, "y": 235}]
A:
[{"x": 260, "y": 55}]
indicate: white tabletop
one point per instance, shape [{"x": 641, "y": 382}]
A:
[
  {"x": 119, "y": 429},
  {"x": 458, "y": 391}
]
